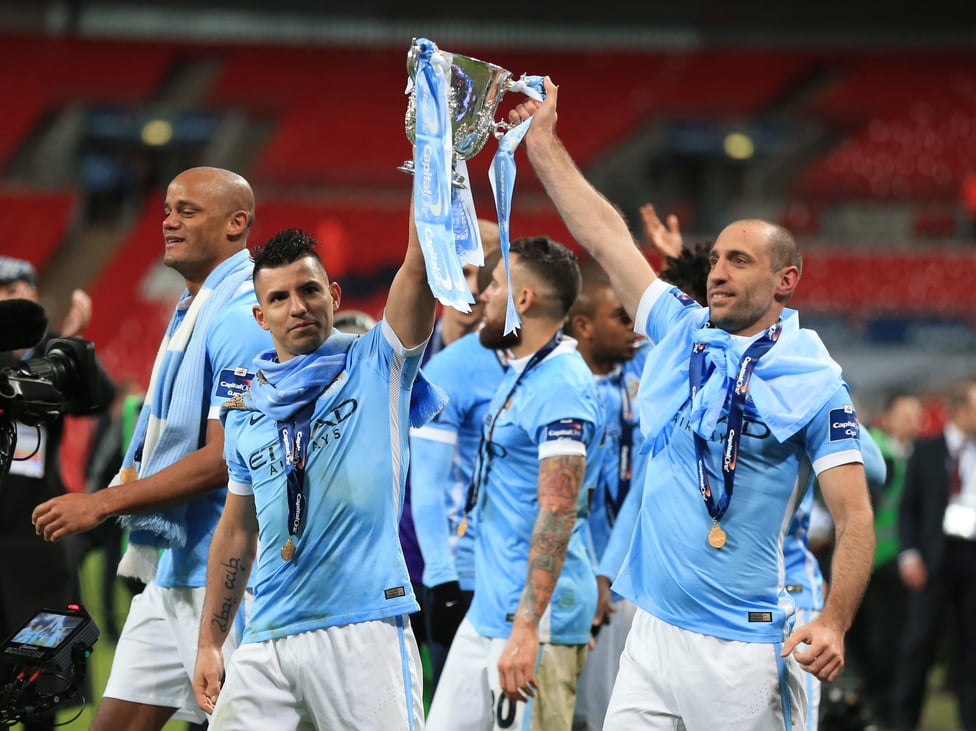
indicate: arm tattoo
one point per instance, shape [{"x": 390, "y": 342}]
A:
[
  {"x": 235, "y": 570},
  {"x": 559, "y": 485}
]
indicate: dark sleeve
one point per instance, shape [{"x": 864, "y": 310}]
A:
[
  {"x": 910, "y": 507},
  {"x": 104, "y": 390}
]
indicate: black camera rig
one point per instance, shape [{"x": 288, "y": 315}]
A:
[
  {"x": 37, "y": 391},
  {"x": 48, "y": 660}
]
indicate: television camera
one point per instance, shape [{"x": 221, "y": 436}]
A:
[
  {"x": 40, "y": 390},
  {"x": 49, "y": 659}
]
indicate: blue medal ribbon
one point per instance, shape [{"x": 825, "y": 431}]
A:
[
  {"x": 293, "y": 438},
  {"x": 482, "y": 466},
  {"x": 739, "y": 390}
]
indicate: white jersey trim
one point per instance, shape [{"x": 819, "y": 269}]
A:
[
  {"x": 848, "y": 456},
  {"x": 433, "y": 434},
  {"x": 562, "y": 448},
  {"x": 651, "y": 295},
  {"x": 240, "y": 488},
  {"x": 394, "y": 341}
]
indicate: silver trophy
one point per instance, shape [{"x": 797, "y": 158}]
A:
[{"x": 475, "y": 91}]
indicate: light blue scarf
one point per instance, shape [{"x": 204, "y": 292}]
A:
[
  {"x": 790, "y": 384},
  {"x": 281, "y": 389},
  {"x": 175, "y": 409}
]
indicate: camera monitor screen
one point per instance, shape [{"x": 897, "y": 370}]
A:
[
  {"x": 51, "y": 638},
  {"x": 47, "y": 629}
]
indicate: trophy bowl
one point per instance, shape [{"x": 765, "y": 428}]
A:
[{"x": 475, "y": 90}]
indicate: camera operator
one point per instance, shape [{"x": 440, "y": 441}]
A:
[{"x": 34, "y": 573}]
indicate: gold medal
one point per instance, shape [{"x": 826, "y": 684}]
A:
[
  {"x": 716, "y": 536},
  {"x": 463, "y": 526},
  {"x": 288, "y": 550},
  {"x": 129, "y": 474}
]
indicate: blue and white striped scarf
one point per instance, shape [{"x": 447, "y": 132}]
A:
[{"x": 174, "y": 414}]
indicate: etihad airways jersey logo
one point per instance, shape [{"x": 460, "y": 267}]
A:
[{"x": 327, "y": 429}]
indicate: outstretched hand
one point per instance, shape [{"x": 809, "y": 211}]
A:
[
  {"x": 66, "y": 515},
  {"x": 824, "y": 654},
  {"x": 666, "y": 241},
  {"x": 79, "y": 314}
]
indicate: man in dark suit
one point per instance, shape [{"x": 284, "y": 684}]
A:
[
  {"x": 35, "y": 574},
  {"x": 937, "y": 531}
]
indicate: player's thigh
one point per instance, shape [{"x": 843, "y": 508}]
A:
[
  {"x": 115, "y": 715},
  {"x": 558, "y": 672},
  {"x": 361, "y": 676},
  {"x": 508, "y": 714},
  {"x": 641, "y": 699},
  {"x": 665, "y": 671},
  {"x": 257, "y": 693},
  {"x": 752, "y": 688},
  {"x": 148, "y": 667},
  {"x": 462, "y": 701}
]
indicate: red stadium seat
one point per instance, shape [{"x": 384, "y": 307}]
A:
[{"x": 35, "y": 222}]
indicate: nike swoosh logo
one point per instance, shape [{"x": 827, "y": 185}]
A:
[
  {"x": 447, "y": 283},
  {"x": 436, "y": 210},
  {"x": 254, "y": 419},
  {"x": 451, "y": 603}
]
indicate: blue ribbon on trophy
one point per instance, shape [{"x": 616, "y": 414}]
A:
[
  {"x": 467, "y": 235},
  {"x": 501, "y": 174},
  {"x": 450, "y": 114},
  {"x": 433, "y": 158}
]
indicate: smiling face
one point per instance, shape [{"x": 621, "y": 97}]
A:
[
  {"x": 745, "y": 294},
  {"x": 207, "y": 215},
  {"x": 297, "y": 304}
]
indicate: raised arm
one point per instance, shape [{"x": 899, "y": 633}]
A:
[
  {"x": 410, "y": 305},
  {"x": 560, "y": 478},
  {"x": 232, "y": 553},
  {"x": 845, "y": 492},
  {"x": 592, "y": 220},
  {"x": 197, "y": 473}
]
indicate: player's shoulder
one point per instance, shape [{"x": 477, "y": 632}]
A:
[{"x": 461, "y": 349}]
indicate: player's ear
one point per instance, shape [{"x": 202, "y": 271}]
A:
[{"x": 259, "y": 316}]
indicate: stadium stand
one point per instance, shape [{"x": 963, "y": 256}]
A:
[{"x": 35, "y": 222}]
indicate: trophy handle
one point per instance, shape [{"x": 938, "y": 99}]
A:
[{"x": 501, "y": 127}]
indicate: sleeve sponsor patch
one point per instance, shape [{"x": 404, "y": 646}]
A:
[
  {"x": 684, "y": 299},
  {"x": 843, "y": 424},
  {"x": 233, "y": 381},
  {"x": 565, "y": 429}
]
